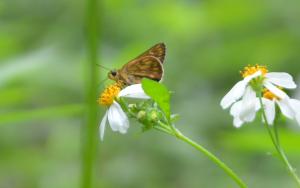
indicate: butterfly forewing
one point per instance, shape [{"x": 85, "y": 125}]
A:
[{"x": 158, "y": 51}]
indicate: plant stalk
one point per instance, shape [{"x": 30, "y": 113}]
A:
[
  {"x": 276, "y": 143},
  {"x": 165, "y": 128},
  {"x": 213, "y": 158},
  {"x": 91, "y": 123}
]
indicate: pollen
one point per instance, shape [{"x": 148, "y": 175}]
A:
[
  {"x": 249, "y": 70},
  {"x": 107, "y": 97},
  {"x": 269, "y": 95}
]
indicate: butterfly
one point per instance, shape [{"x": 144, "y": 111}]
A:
[{"x": 147, "y": 65}]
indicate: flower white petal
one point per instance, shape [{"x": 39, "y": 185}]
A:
[
  {"x": 245, "y": 109},
  {"x": 269, "y": 107},
  {"x": 279, "y": 93},
  {"x": 117, "y": 118},
  {"x": 249, "y": 116},
  {"x": 249, "y": 96},
  {"x": 281, "y": 79},
  {"x": 237, "y": 122},
  {"x": 234, "y": 94},
  {"x": 257, "y": 104},
  {"x": 286, "y": 108},
  {"x": 235, "y": 109},
  {"x": 102, "y": 126},
  {"x": 110, "y": 114},
  {"x": 296, "y": 107},
  {"x": 133, "y": 91},
  {"x": 298, "y": 118},
  {"x": 248, "y": 109}
]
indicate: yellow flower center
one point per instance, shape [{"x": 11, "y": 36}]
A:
[
  {"x": 249, "y": 70},
  {"x": 108, "y": 96},
  {"x": 269, "y": 95}
]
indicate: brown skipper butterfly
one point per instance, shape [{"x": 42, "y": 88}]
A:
[{"x": 147, "y": 65}]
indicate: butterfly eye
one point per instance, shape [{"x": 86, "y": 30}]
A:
[{"x": 113, "y": 73}]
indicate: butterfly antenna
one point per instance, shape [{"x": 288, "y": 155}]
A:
[
  {"x": 103, "y": 67},
  {"x": 100, "y": 83}
]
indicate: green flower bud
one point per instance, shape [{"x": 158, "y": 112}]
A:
[
  {"x": 153, "y": 116},
  {"x": 133, "y": 107},
  {"x": 141, "y": 115}
]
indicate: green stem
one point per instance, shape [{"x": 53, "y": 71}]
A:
[
  {"x": 276, "y": 143},
  {"x": 276, "y": 134},
  {"x": 91, "y": 124},
  {"x": 212, "y": 157},
  {"x": 200, "y": 148},
  {"x": 266, "y": 123},
  {"x": 164, "y": 128}
]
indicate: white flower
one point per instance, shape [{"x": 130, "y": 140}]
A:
[
  {"x": 115, "y": 115},
  {"x": 245, "y": 103},
  {"x": 271, "y": 79}
]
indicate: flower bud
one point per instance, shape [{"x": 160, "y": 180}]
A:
[
  {"x": 133, "y": 107},
  {"x": 153, "y": 116},
  {"x": 141, "y": 115}
]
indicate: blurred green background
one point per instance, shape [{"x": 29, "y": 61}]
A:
[{"x": 43, "y": 87}]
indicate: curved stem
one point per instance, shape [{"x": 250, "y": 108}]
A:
[
  {"x": 276, "y": 134},
  {"x": 203, "y": 150},
  {"x": 266, "y": 123},
  {"x": 276, "y": 143}
]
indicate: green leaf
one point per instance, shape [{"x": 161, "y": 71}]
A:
[{"x": 159, "y": 93}]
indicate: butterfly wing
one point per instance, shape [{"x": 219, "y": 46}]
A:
[
  {"x": 158, "y": 51},
  {"x": 143, "y": 67}
]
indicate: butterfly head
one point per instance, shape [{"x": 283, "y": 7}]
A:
[{"x": 113, "y": 75}]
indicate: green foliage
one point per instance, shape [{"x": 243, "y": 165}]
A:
[
  {"x": 159, "y": 93},
  {"x": 42, "y": 60},
  {"x": 39, "y": 114}
]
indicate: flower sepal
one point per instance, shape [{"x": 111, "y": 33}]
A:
[
  {"x": 257, "y": 84},
  {"x": 175, "y": 118}
]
